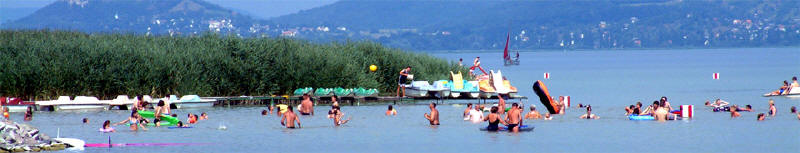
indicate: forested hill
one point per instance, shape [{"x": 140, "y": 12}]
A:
[{"x": 580, "y": 24}]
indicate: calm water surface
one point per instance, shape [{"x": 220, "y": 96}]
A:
[{"x": 608, "y": 80}]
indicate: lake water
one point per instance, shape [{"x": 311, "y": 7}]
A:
[{"x": 608, "y": 80}]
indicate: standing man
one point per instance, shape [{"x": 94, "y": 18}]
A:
[
  {"x": 401, "y": 81},
  {"x": 306, "y": 106},
  {"x": 434, "y": 116},
  {"x": 289, "y": 118},
  {"x": 513, "y": 118}
]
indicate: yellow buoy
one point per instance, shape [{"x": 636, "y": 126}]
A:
[{"x": 373, "y": 68}]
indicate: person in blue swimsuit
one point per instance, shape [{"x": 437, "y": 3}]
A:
[{"x": 133, "y": 120}]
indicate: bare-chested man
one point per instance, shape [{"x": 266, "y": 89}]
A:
[
  {"x": 434, "y": 116},
  {"x": 501, "y": 104},
  {"x": 513, "y": 118},
  {"x": 533, "y": 114},
  {"x": 306, "y": 106},
  {"x": 289, "y": 117}
]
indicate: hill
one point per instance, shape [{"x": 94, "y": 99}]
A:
[
  {"x": 570, "y": 24},
  {"x": 137, "y": 16}
]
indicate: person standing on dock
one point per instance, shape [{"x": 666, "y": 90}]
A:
[
  {"x": 306, "y": 106},
  {"x": 434, "y": 116},
  {"x": 401, "y": 81},
  {"x": 289, "y": 118}
]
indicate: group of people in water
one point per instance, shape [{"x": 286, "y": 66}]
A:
[
  {"x": 785, "y": 88},
  {"x": 723, "y": 106},
  {"x": 161, "y": 111},
  {"x": 290, "y": 120}
]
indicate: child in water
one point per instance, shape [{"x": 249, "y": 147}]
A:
[
  {"x": 192, "y": 118},
  {"x": 203, "y": 116},
  {"x": 107, "y": 127}
]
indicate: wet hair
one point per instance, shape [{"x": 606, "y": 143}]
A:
[
  {"x": 434, "y": 105},
  {"x": 477, "y": 57},
  {"x": 638, "y": 104},
  {"x": 203, "y": 113},
  {"x": 469, "y": 104},
  {"x": 196, "y": 117},
  {"x": 514, "y": 105},
  {"x": 793, "y": 109},
  {"x": 139, "y": 97},
  {"x": 460, "y": 59},
  {"x": 156, "y": 120},
  {"x": 334, "y": 97},
  {"x": 289, "y": 108},
  {"x": 161, "y": 103},
  {"x": 759, "y": 116},
  {"x": 589, "y": 108},
  {"x": 664, "y": 98},
  {"x": 533, "y": 108},
  {"x": 85, "y": 120},
  {"x": 655, "y": 103},
  {"x": 264, "y": 112},
  {"x": 180, "y": 123},
  {"x": 494, "y": 109},
  {"x": 794, "y": 78},
  {"x": 174, "y": 115},
  {"x": 390, "y": 107},
  {"x": 106, "y": 123},
  {"x": 748, "y": 106},
  {"x": 133, "y": 113}
]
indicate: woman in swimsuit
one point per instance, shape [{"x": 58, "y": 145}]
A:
[
  {"x": 29, "y": 114},
  {"x": 493, "y": 118},
  {"x": 772, "y": 109},
  {"x": 133, "y": 120},
  {"x": 781, "y": 90}
]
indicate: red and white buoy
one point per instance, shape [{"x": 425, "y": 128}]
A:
[
  {"x": 566, "y": 101},
  {"x": 546, "y": 75},
  {"x": 716, "y": 76},
  {"x": 687, "y": 111}
]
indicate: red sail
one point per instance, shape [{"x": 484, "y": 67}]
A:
[{"x": 505, "y": 51}]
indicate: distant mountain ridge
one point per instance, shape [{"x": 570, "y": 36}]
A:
[
  {"x": 138, "y": 16},
  {"x": 456, "y": 24},
  {"x": 563, "y": 24}
]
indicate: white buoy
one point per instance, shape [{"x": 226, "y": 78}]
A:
[{"x": 716, "y": 76}]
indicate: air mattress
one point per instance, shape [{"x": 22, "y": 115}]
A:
[
  {"x": 641, "y": 117},
  {"x": 544, "y": 96},
  {"x": 523, "y": 128}
]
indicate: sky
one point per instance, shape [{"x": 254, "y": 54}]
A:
[{"x": 263, "y": 9}]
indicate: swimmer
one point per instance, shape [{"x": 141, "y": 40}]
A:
[
  {"x": 793, "y": 110},
  {"x": 29, "y": 114},
  {"x": 289, "y": 118},
  {"x": 271, "y": 108},
  {"x": 85, "y": 120},
  {"x": 772, "y": 109},
  {"x": 107, "y": 127},
  {"x": 5, "y": 113},
  {"x": 391, "y": 111},
  {"x": 203, "y": 116},
  {"x": 533, "y": 114},
  {"x": 180, "y": 124},
  {"x": 501, "y": 104},
  {"x": 747, "y": 108},
  {"x": 475, "y": 115},
  {"x": 434, "y": 116},
  {"x": 794, "y": 82},
  {"x": 306, "y": 106},
  {"x": 466, "y": 111},
  {"x": 494, "y": 119},
  {"x": 161, "y": 109},
  {"x": 191, "y": 118},
  {"x": 589, "y": 114},
  {"x": 547, "y": 116},
  {"x": 264, "y": 112},
  {"x": 629, "y": 110},
  {"x": 666, "y": 103},
  {"x": 134, "y": 121},
  {"x": 734, "y": 113},
  {"x": 761, "y": 116},
  {"x": 639, "y": 106},
  {"x": 157, "y": 122},
  {"x": 650, "y": 109},
  {"x": 337, "y": 116}
]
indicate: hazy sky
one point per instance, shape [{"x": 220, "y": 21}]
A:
[{"x": 257, "y": 8}]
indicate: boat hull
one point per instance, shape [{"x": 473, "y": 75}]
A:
[
  {"x": 455, "y": 94},
  {"x": 66, "y": 107},
  {"x": 184, "y": 105},
  {"x": 416, "y": 93},
  {"x": 17, "y": 108}
]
